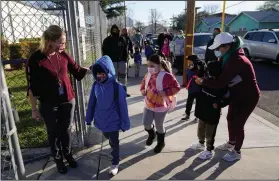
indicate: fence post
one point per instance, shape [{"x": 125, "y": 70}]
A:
[
  {"x": 18, "y": 165},
  {"x": 76, "y": 47}
]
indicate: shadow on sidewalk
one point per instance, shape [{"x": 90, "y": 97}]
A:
[{"x": 219, "y": 167}]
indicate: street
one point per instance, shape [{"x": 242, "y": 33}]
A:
[{"x": 267, "y": 76}]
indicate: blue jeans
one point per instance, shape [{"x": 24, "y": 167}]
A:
[{"x": 113, "y": 138}]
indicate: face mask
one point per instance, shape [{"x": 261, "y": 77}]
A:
[
  {"x": 151, "y": 70},
  {"x": 101, "y": 77},
  {"x": 218, "y": 54}
]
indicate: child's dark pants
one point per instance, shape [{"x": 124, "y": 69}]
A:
[
  {"x": 113, "y": 138},
  {"x": 190, "y": 100},
  {"x": 207, "y": 132}
]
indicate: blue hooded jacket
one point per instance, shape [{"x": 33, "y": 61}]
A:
[
  {"x": 194, "y": 87},
  {"x": 109, "y": 115}
]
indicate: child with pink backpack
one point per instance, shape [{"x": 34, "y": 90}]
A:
[{"x": 159, "y": 87}]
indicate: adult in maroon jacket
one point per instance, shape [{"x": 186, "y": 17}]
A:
[
  {"x": 48, "y": 81},
  {"x": 239, "y": 74}
]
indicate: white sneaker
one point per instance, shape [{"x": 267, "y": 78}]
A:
[
  {"x": 113, "y": 170},
  {"x": 197, "y": 146},
  {"x": 205, "y": 155},
  {"x": 232, "y": 156},
  {"x": 226, "y": 146}
]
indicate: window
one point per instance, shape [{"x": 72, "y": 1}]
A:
[
  {"x": 268, "y": 36},
  {"x": 277, "y": 34},
  {"x": 249, "y": 36},
  {"x": 201, "y": 40},
  {"x": 258, "y": 36}
]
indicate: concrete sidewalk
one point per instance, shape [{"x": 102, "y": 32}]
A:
[{"x": 260, "y": 158}]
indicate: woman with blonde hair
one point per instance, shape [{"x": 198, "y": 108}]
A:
[{"x": 48, "y": 81}]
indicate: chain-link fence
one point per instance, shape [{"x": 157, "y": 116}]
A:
[{"x": 22, "y": 24}]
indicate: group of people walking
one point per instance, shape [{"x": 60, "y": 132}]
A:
[{"x": 230, "y": 80}]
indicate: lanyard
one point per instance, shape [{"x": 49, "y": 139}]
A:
[{"x": 57, "y": 71}]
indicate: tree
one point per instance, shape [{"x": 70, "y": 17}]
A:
[
  {"x": 113, "y": 8},
  {"x": 154, "y": 18},
  {"x": 139, "y": 25},
  {"x": 179, "y": 21},
  {"x": 269, "y": 5},
  {"x": 211, "y": 9}
]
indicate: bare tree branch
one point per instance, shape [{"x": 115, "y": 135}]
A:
[
  {"x": 211, "y": 9},
  {"x": 154, "y": 18}
]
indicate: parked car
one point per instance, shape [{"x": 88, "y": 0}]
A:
[
  {"x": 200, "y": 43},
  {"x": 262, "y": 44}
]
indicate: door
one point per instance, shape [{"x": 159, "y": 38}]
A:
[
  {"x": 269, "y": 46},
  {"x": 256, "y": 44}
]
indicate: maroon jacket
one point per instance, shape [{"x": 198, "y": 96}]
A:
[
  {"x": 42, "y": 78},
  {"x": 237, "y": 65}
]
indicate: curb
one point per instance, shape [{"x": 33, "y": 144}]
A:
[{"x": 264, "y": 121}]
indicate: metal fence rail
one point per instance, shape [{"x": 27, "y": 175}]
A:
[{"x": 22, "y": 24}]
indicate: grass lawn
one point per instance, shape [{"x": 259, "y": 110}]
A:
[{"x": 31, "y": 133}]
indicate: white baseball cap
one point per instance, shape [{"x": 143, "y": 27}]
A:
[{"x": 220, "y": 39}]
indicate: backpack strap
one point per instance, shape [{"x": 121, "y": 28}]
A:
[
  {"x": 94, "y": 98},
  {"x": 147, "y": 80},
  {"x": 159, "y": 80}
]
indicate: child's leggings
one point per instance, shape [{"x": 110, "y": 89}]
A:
[
  {"x": 113, "y": 138},
  {"x": 158, "y": 117}
]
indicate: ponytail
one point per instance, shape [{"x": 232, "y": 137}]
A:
[
  {"x": 157, "y": 59},
  {"x": 165, "y": 66}
]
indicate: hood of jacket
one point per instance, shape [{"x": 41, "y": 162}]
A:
[
  {"x": 114, "y": 27},
  {"x": 107, "y": 65}
]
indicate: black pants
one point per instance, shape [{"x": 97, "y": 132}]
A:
[
  {"x": 179, "y": 63},
  {"x": 58, "y": 119},
  {"x": 190, "y": 100},
  {"x": 113, "y": 138}
]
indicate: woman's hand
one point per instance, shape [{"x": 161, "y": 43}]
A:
[
  {"x": 36, "y": 115},
  {"x": 199, "y": 81},
  {"x": 88, "y": 72}
]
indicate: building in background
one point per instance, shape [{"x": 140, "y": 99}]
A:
[
  {"x": 251, "y": 20},
  {"x": 207, "y": 24},
  {"x": 152, "y": 29}
]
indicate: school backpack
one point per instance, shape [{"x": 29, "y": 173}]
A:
[{"x": 159, "y": 87}]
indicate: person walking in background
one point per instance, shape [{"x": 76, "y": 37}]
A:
[
  {"x": 178, "y": 46},
  {"x": 159, "y": 87},
  {"x": 239, "y": 74},
  {"x": 148, "y": 50},
  {"x": 138, "y": 40},
  {"x": 47, "y": 76},
  {"x": 193, "y": 89},
  {"x": 166, "y": 49},
  {"x": 138, "y": 62},
  {"x": 209, "y": 54},
  {"x": 116, "y": 47},
  {"x": 161, "y": 38},
  {"x": 208, "y": 109},
  {"x": 108, "y": 107},
  {"x": 129, "y": 47}
]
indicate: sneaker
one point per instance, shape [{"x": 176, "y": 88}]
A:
[
  {"x": 232, "y": 156},
  {"x": 205, "y": 155},
  {"x": 226, "y": 147},
  {"x": 186, "y": 118},
  {"x": 197, "y": 146},
  {"x": 113, "y": 170},
  {"x": 128, "y": 95}
]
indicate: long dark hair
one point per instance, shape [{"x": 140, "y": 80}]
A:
[{"x": 159, "y": 61}]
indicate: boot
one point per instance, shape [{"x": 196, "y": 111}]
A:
[
  {"x": 60, "y": 166},
  {"x": 72, "y": 162},
  {"x": 151, "y": 136},
  {"x": 125, "y": 88},
  {"x": 160, "y": 142}
]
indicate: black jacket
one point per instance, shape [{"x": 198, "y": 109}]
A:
[
  {"x": 129, "y": 46},
  {"x": 115, "y": 47},
  {"x": 204, "y": 106},
  {"x": 209, "y": 54}
]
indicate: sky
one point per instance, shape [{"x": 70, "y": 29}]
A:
[{"x": 140, "y": 10}]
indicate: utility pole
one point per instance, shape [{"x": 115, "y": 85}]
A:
[
  {"x": 189, "y": 40},
  {"x": 125, "y": 15},
  {"x": 223, "y": 16}
]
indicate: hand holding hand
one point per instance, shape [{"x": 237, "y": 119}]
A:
[
  {"x": 215, "y": 106},
  {"x": 199, "y": 81},
  {"x": 143, "y": 92},
  {"x": 36, "y": 115}
]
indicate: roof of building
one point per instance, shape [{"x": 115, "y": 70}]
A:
[
  {"x": 212, "y": 20},
  {"x": 263, "y": 16}
]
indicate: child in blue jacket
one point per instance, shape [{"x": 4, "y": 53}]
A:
[
  {"x": 148, "y": 50},
  {"x": 137, "y": 61},
  {"x": 108, "y": 107},
  {"x": 193, "y": 89}
]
